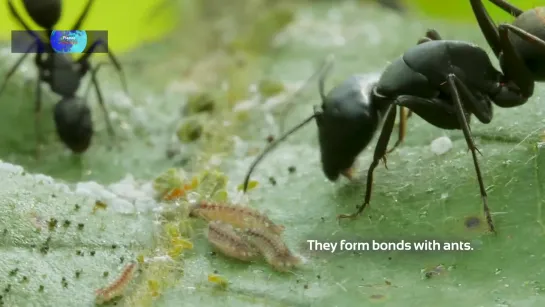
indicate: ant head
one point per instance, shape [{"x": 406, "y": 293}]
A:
[
  {"x": 346, "y": 124},
  {"x": 73, "y": 123},
  {"x": 46, "y": 13}
]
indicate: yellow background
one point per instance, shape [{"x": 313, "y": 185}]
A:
[{"x": 128, "y": 22}]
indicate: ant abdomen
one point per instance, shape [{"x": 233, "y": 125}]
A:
[
  {"x": 46, "y": 13},
  {"x": 74, "y": 124}
]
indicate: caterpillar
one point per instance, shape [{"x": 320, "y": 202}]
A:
[
  {"x": 275, "y": 251},
  {"x": 224, "y": 237},
  {"x": 117, "y": 287},
  {"x": 238, "y": 216}
]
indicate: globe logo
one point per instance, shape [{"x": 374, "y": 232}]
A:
[{"x": 69, "y": 41}]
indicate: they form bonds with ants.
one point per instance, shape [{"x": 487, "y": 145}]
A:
[
  {"x": 442, "y": 81},
  {"x": 63, "y": 75}
]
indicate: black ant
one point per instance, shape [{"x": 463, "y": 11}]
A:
[
  {"x": 442, "y": 81},
  {"x": 520, "y": 47},
  {"x": 72, "y": 115}
]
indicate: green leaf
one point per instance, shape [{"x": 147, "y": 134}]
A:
[{"x": 422, "y": 196}]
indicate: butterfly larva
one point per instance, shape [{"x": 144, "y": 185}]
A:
[
  {"x": 117, "y": 287},
  {"x": 224, "y": 237},
  {"x": 238, "y": 216},
  {"x": 272, "y": 248}
]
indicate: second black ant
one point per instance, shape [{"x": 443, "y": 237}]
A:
[
  {"x": 63, "y": 75},
  {"x": 442, "y": 81}
]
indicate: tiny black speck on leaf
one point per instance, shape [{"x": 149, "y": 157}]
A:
[
  {"x": 121, "y": 259},
  {"x": 305, "y": 286},
  {"x": 24, "y": 279},
  {"x": 76, "y": 207},
  {"x": 13, "y": 272},
  {"x": 292, "y": 169},
  {"x": 66, "y": 223},
  {"x": 78, "y": 273},
  {"x": 318, "y": 276},
  {"x": 41, "y": 289},
  {"x": 105, "y": 274},
  {"x": 216, "y": 272},
  {"x": 270, "y": 138},
  {"x": 92, "y": 253},
  {"x": 7, "y": 288},
  {"x": 114, "y": 246},
  {"x": 472, "y": 222},
  {"x": 80, "y": 226},
  {"x": 272, "y": 180}
]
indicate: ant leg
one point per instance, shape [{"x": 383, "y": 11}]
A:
[
  {"x": 85, "y": 58},
  {"x": 452, "y": 80},
  {"x": 83, "y": 15},
  {"x": 15, "y": 66},
  {"x": 487, "y": 25},
  {"x": 38, "y": 113},
  {"x": 512, "y": 64},
  {"x": 380, "y": 153},
  {"x": 95, "y": 71},
  {"x": 101, "y": 102},
  {"x": 507, "y": 7},
  {"x": 402, "y": 128}
]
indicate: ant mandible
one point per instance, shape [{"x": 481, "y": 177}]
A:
[
  {"x": 442, "y": 81},
  {"x": 72, "y": 115}
]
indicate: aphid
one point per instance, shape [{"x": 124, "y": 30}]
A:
[
  {"x": 99, "y": 205},
  {"x": 238, "y": 216},
  {"x": 218, "y": 280},
  {"x": 52, "y": 224},
  {"x": 272, "y": 248},
  {"x": 153, "y": 287},
  {"x": 224, "y": 237},
  {"x": 178, "y": 247},
  {"x": 116, "y": 288},
  {"x": 251, "y": 185}
]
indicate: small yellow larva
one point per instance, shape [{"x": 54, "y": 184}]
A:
[
  {"x": 224, "y": 237},
  {"x": 238, "y": 216},
  {"x": 272, "y": 248},
  {"x": 117, "y": 287}
]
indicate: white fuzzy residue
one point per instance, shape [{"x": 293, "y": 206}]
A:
[
  {"x": 441, "y": 145},
  {"x": 126, "y": 196}
]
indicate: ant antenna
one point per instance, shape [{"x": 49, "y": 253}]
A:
[
  {"x": 328, "y": 64},
  {"x": 273, "y": 144},
  {"x": 323, "y": 70}
]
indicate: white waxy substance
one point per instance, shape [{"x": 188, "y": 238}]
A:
[{"x": 441, "y": 145}]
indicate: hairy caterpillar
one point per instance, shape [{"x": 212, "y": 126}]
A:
[
  {"x": 117, "y": 287},
  {"x": 238, "y": 216},
  {"x": 272, "y": 248},
  {"x": 224, "y": 237}
]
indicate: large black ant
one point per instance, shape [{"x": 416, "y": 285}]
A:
[
  {"x": 72, "y": 115},
  {"x": 520, "y": 47},
  {"x": 442, "y": 81}
]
